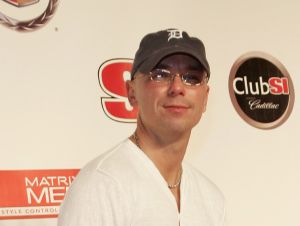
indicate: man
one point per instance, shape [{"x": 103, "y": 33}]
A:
[{"x": 143, "y": 181}]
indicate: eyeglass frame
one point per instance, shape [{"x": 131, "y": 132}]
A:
[{"x": 173, "y": 75}]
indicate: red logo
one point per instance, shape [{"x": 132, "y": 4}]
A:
[
  {"x": 33, "y": 193},
  {"x": 112, "y": 77}
]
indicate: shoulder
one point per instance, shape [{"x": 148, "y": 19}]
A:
[
  {"x": 111, "y": 166},
  {"x": 116, "y": 171},
  {"x": 96, "y": 188}
]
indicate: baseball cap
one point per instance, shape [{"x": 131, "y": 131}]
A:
[{"x": 155, "y": 46}]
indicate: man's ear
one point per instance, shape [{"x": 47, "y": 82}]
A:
[
  {"x": 205, "y": 100},
  {"x": 131, "y": 93}
]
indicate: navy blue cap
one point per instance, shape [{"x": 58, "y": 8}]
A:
[{"x": 155, "y": 46}]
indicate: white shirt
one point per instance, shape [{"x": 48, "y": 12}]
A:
[{"x": 123, "y": 187}]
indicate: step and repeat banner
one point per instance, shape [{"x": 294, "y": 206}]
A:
[{"x": 63, "y": 67}]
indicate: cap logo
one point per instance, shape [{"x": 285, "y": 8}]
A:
[{"x": 174, "y": 33}]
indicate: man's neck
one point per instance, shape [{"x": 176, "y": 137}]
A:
[{"x": 165, "y": 150}]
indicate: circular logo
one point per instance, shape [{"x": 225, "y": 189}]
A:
[
  {"x": 31, "y": 24},
  {"x": 261, "y": 90}
]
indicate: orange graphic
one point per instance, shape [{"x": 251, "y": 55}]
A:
[{"x": 33, "y": 193}]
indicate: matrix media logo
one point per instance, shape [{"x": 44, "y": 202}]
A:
[
  {"x": 26, "y": 25},
  {"x": 261, "y": 90},
  {"x": 26, "y": 194},
  {"x": 112, "y": 77}
]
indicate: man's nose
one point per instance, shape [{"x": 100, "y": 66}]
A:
[{"x": 176, "y": 86}]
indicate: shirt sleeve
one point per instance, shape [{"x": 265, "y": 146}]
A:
[{"x": 94, "y": 199}]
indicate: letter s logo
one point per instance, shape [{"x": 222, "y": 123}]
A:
[{"x": 112, "y": 77}]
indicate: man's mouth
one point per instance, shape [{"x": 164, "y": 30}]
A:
[{"x": 177, "y": 108}]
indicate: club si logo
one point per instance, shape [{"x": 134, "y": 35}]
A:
[
  {"x": 28, "y": 25},
  {"x": 261, "y": 90},
  {"x": 112, "y": 76}
]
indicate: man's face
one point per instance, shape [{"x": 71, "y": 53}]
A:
[{"x": 172, "y": 106}]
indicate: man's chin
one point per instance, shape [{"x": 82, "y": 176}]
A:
[{"x": 178, "y": 126}]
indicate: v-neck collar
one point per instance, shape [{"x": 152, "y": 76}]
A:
[{"x": 153, "y": 170}]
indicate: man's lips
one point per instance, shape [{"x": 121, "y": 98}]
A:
[{"x": 176, "y": 108}]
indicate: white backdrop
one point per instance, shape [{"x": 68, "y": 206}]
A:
[{"x": 51, "y": 114}]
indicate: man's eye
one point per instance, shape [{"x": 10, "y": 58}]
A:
[
  {"x": 192, "y": 79},
  {"x": 160, "y": 75}
]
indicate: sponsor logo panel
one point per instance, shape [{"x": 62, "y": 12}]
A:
[
  {"x": 261, "y": 90},
  {"x": 33, "y": 193}
]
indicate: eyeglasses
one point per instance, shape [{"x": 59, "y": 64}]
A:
[{"x": 190, "y": 78}]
